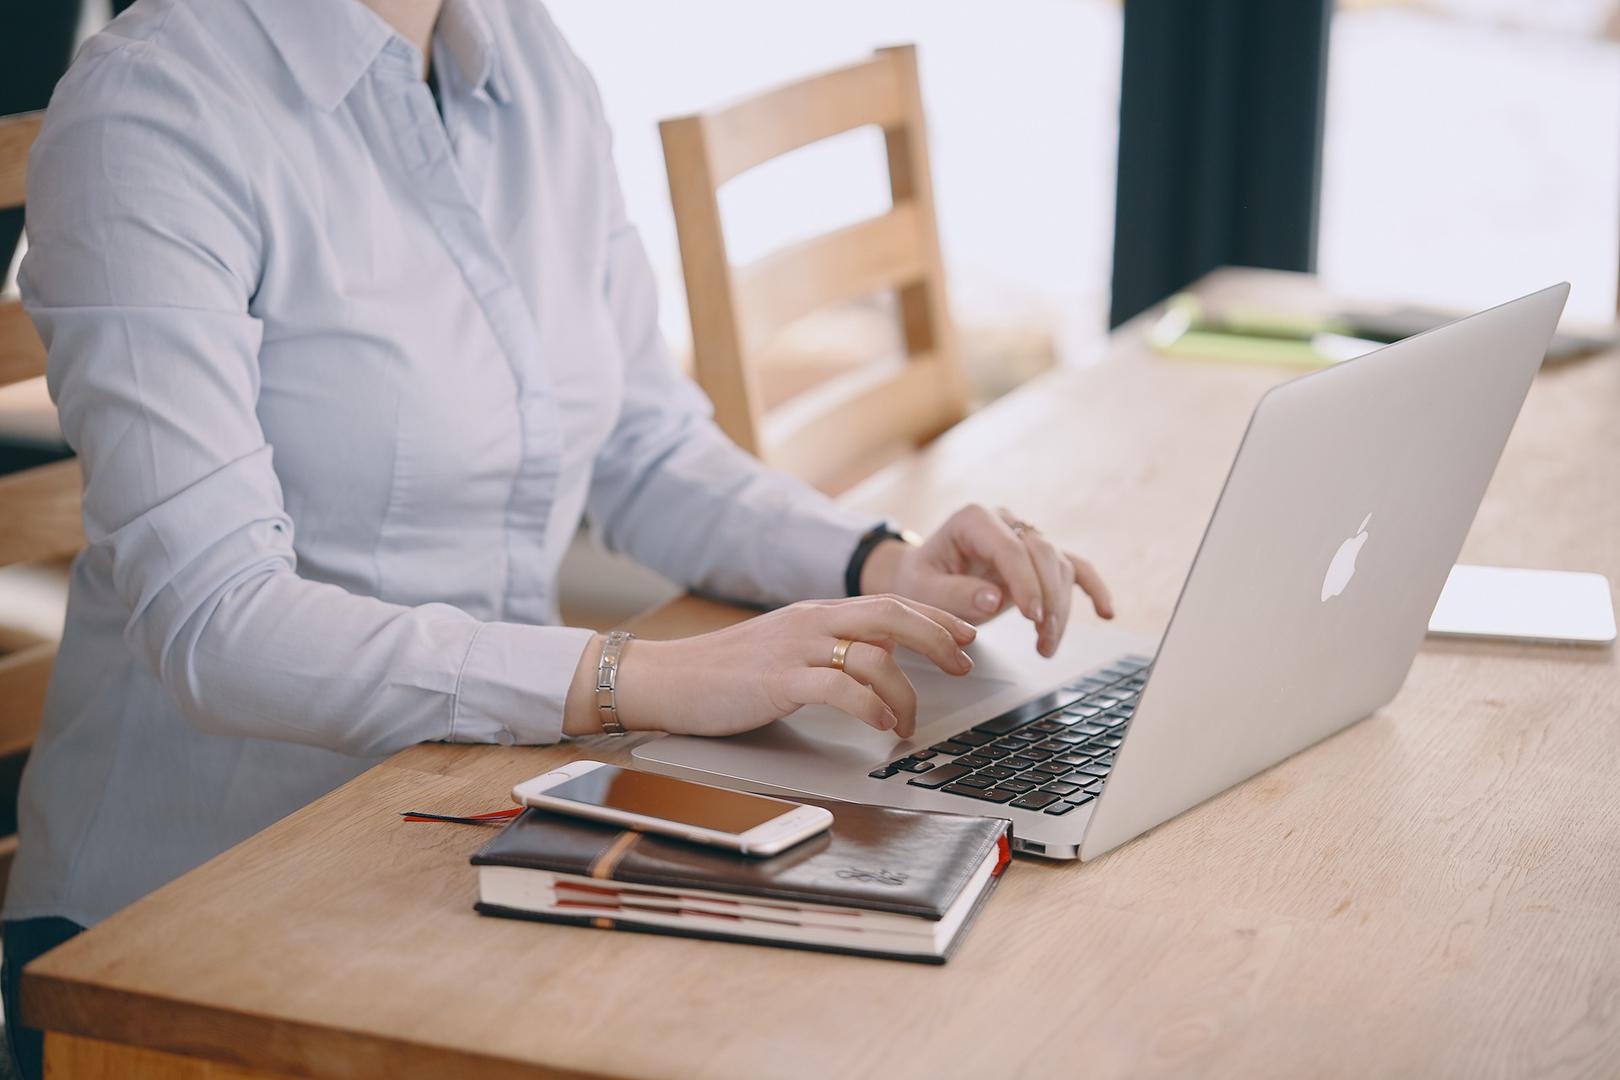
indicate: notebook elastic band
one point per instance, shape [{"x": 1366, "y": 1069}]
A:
[{"x": 604, "y": 864}]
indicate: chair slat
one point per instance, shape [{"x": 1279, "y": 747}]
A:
[
  {"x": 22, "y": 354},
  {"x": 17, "y": 134},
  {"x": 39, "y": 513},
  {"x": 867, "y": 257},
  {"x": 23, "y": 676},
  {"x": 778, "y": 121},
  {"x": 824, "y": 435}
]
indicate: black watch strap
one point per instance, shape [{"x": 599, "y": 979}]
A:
[{"x": 863, "y": 550}]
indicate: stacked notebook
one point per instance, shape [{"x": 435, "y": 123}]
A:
[{"x": 881, "y": 882}]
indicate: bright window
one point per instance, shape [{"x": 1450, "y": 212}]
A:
[{"x": 1473, "y": 152}]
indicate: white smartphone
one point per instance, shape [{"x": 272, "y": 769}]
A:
[{"x": 736, "y": 820}]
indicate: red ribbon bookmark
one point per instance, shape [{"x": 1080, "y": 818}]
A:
[
  {"x": 494, "y": 817},
  {"x": 1005, "y": 857}
]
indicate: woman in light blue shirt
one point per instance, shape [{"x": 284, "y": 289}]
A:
[{"x": 345, "y": 373}]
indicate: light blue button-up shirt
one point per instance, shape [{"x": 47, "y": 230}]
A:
[{"x": 344, "y": 378}]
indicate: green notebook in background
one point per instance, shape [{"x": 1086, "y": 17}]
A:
[{"x": 1190, "y": 328}]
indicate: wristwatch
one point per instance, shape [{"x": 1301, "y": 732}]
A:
[
  {"x": 868, "y": 544},
  {"x": 607, "y": 682}
]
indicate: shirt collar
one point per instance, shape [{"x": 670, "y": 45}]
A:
[
  {"x": 326, "y": 44},
  {"x": 329, "y": 44}
]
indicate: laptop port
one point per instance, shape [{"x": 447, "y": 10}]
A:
[{"x": 1033, "y": 848}]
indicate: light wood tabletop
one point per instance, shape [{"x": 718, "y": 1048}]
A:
[{"x": 1434, "y": 891}]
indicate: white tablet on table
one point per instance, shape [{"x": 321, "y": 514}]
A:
[{"x": 1525, "y": 605}]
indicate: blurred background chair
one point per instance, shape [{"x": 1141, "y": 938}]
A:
[
  {"x": 40, "y": 526},
  {"x": 829, "y": 423}
]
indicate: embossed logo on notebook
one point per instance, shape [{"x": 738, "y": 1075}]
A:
[{"x": 873, "y": 877}]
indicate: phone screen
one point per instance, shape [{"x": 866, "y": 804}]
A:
[{"x": 671, "y": 800}]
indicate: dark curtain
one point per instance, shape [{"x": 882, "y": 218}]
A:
[{"x": 1220, "y": 141}]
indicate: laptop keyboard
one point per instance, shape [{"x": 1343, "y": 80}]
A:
[{"x": 1051, "y": 754}]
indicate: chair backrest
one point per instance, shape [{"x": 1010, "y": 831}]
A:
[
  {"x": 826, "y": 434},
  {"x": 39, "y": 507}
]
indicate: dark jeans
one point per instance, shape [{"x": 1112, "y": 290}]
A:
[{"x": 25, "y": 940}]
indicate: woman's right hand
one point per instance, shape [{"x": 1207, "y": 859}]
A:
[{"x": 760, "y": 670}]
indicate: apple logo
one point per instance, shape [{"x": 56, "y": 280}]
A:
[{"x": 1343, "y": 566}]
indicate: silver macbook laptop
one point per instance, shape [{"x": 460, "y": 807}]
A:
[{"x": 1309, "y": 596}]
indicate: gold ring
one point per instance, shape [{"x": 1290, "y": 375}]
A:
[
  {"x": 1022, "y": 528},
  {"x": 840, "y": 652}
]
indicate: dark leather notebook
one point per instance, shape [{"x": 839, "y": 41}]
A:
[{"x": 880, "y": 882}]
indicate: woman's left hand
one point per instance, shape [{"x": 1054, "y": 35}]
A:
[{"x": 978, "y": 562}]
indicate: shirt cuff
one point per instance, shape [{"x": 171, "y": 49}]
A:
[{"x": 514, "y": 683}]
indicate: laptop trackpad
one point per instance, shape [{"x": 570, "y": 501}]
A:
[
  {"x": 819, "y": 731},
  {"x": 939, "y": 695}
]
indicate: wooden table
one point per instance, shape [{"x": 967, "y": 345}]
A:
[{"x": 1433, "y": 891}]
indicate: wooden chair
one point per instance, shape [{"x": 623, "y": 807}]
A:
[
  {"x": 39, "y": 512},
  {"x": 833, "y": 433}
]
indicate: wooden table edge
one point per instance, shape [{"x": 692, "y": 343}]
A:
[{"x": 199, "y": 1039}]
